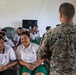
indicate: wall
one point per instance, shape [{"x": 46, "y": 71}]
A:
[{"x": 45, "y": 11}]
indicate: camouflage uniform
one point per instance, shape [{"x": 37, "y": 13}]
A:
[{"x": 60, "y": 45}]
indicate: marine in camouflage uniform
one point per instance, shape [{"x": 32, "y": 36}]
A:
[{"x": 60, "y": 45}]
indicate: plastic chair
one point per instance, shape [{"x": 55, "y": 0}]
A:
[{"x": 10, "y": 32}]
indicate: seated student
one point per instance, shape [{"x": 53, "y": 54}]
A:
[
  {"x": 34, "y": 32},
  {"x": 16, "y": 38},
  {"x": 4, "y": 31},
  {"x": 27, "y": 57},
  {"x": 57, "y": 25},
  {"x": 7, "y": 58},
  {"x": 7, "y": 41},
  {"x": 48, "y": 28},
  {"x": 35, "y": 36}
]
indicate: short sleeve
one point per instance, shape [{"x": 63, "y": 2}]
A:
[
  {"x": 18, "y": 55},
  {"x": 12, "y": 54}
]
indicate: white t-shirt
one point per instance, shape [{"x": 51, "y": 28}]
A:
[
  {"x": 9, "y": 42},
  {"x": 29, "y": 54},
  {"x": 7, "y": 55},
  {"x": 34, "y": 35},
  {"x": 16, "y": 38}
]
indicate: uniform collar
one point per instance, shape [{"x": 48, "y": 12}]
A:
[
  {"x": 69, "y": 23},
  {"x": 2, "y": 51},
  {"x": 27, "y": 47}
]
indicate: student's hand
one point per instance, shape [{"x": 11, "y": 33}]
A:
[
  {"x": 47, "y": 61},
  {"x": 3, "y": 68},
  {"x": 37, "y": 63},
  {"x": 29, "y": 66},
  {"x": 14, "y": 48},
  {"x": 33, "y": 67}
]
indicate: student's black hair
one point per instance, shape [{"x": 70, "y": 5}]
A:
[
  {"x": 34, "y": 26},
  {"x": 19, "y": 27},
  {"x": 4, "y": 30},
  {"x": 47, "y": 28},
  {"x": 3, "y": 34},
  {"x": 1, "y": 37},
  {"x": 26, "y": 33},
  {"x": 57, "y": 25},
  {"x": 67, "y": 9}
]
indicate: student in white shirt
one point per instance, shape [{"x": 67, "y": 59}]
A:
[
  {"x": 7, "y": 41},
  {"x": 27, "y": 57},
  {"x": 7, "y": 58},
  {"x": 34, "y": 32},
  {"x": 16, "y": 38}
]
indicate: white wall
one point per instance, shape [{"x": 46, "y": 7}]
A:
[{"x": 13, "y": 11}]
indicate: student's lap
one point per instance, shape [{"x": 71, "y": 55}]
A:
[{"x": 41, "y": 68}]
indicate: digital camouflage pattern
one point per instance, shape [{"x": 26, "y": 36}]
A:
[{"x": 60, "y": 45}]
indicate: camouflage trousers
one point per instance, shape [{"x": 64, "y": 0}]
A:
[{"x": 62, "y": 73}]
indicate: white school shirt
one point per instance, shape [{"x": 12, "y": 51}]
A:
[
  {"x": 16, "y": 38},
  {"x": 10, "y": 43},
  {"x": 34, "y": 35},
  {"x": 7, "y": 55},
  {"x": 29, "y": 54}
]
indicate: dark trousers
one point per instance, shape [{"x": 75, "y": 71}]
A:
[{"x": 7, "y": 72}]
